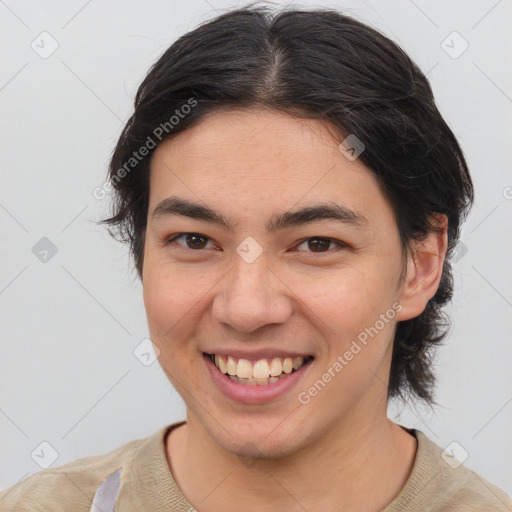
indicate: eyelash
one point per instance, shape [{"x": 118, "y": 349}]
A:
[{"x": 341, "y": 245}]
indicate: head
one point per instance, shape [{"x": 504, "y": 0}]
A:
[{"x": 249, "y": 116}]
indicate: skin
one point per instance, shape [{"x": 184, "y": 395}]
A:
[{"x": 339, "y": 451}]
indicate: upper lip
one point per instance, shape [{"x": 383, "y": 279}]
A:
[{"x": 254, "y": 354}]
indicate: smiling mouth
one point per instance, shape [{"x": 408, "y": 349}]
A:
[{"x": 258, "y": 373}]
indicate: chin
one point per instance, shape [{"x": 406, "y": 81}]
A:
[{"x": 257, "y": 438}]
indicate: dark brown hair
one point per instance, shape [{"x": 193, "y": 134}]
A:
[{"x": 317, "y": 64}]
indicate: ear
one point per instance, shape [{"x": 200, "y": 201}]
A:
[{"x": 424, "y": 269}]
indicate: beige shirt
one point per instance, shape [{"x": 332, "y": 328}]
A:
[{"x": 147, "y": 484}]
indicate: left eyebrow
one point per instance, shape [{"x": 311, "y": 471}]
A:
[{"x": 314, "y": 213}]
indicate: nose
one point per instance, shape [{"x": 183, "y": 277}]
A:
[{"x": 252, "y": 295}]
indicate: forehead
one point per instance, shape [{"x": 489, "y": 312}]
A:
[
  {"x": 251, "y": 159},
  {"x": 260, "y": 135}
]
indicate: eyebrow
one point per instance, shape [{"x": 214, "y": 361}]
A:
[{"x": 174, "y": 205}]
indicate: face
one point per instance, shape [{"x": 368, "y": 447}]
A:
[{"x": 243, "y": 278}]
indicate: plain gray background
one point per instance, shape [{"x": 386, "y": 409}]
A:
[{"x": 71, "y": 321}]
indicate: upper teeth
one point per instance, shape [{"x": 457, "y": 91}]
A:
[{"x": 261, "y": 369}]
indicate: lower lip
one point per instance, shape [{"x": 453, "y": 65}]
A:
[{"x": 254, "y": 394}]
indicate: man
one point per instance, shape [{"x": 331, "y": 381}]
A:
[{"x": 291, "y": 196}]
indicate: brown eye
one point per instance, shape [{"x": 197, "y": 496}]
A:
[
  {"x": 196, "y": 241},
  {"x": 192, "y": 240},
  {"x": 320, "y": 244}
]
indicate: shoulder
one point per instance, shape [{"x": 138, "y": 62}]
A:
[
  {"x": 439, "y": 482},
  {"x": 468, "y": 491},
  {"x": 67, "y": 487}
]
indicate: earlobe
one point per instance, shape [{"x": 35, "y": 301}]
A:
[{"x": 424, "y": 269}]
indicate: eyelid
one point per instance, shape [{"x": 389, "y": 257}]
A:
[
  {"x": 341, "y": 244},
  {"x": 170, "y": 239}
]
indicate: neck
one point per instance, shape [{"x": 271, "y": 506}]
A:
[{"x": 357, "y": 465}]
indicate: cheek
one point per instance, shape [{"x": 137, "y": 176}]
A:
[
  {"x": 348, "y": 299},
  {"x": 349, "y": 304},
  {"x": 171, "y": 301}
]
